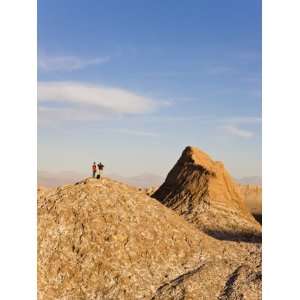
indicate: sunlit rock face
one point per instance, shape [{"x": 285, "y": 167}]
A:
[
  {"x": 202, "y": 191},
  {"x": 101, "y": 239}
]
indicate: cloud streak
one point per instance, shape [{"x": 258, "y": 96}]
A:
[
  {"x": 238, "y": 120},
  {"x": 137, "y": 133},
  {"x": 235, "y": 131},
  {"x": 104, "y": 99},
  {"x": 68, "y": 63}
]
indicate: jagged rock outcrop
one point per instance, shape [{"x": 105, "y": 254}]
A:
[
  {"x": 241, "y": 282},
  {"x": 150, "y": 190},
  {"x": 253, "y": 199},
  {"x": 203, "y": 192},
  {"x": 100, "y": 239}
]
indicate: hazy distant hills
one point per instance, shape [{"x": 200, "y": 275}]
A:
[
  {"x": 255, "y": 180},
  {"x": 51, "y": 179},
  {"x": 143, "y": 180}
]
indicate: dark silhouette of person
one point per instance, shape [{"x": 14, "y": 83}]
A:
[
  {"x": 100, "y": 168},
  {"x": 94, "y": 169}
]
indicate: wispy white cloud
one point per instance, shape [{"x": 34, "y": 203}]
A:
[
  {"x": 68, "y": 63},
  {"x": 233, "y": 125},
  {"x": 137, "y": 132},
  {"x": 105, "y": 99},
  {"x": 238, "y": 120},
  {"x": 242, "y": 120},
  {"x": 236, "y": 131},
  {"x": 54, "y": 115},
  {"x": 229, "y": 125}
]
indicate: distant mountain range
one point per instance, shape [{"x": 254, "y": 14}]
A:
[
  {"x": 143, "y": 180},
  {"x": 255, "y": 180},
  {"x": 51, "y": 179}
]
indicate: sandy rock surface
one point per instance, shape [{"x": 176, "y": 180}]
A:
[
  {"x": 101, "y": 239},
  {"x": 202, "y": 191},
  {"x": 253, "y": 197}
]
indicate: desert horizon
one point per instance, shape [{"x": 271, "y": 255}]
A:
[
  {"x": 250, "y": 186},
  {"x": 107, "y": 230},
  {"x": 55, "y": 179}
]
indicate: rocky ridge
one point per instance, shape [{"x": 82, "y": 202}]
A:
[
  {"x": 202, "y": 191},
  {"x": 106, "y": 240},
  {"x": 253, "y": 199}
]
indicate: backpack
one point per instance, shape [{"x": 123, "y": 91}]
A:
[{"x": 94, "y": 168}]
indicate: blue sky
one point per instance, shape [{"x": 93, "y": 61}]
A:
[{"x": 131, "y": 83}]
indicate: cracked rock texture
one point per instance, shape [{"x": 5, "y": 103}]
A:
[
  {"x": 253, "y": 198},
  {"x": 202, "y": 191},
  {"x": 101, "y": 239}
]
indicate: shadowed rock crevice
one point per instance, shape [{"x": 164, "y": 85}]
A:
[
  {"x": 173, "y": 284},
  {"x": 258, "y": 218},
  {"x": 241, "y": 284},
  {"x": 229, "y": 289},
  {"x": 235, "y": 236}
]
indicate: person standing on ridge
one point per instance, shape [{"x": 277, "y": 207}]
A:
[
  {"x": 94, "y": 168},
  {"x": 100, "y": 167}
]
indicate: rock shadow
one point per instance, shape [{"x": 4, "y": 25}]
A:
[
  {"x": 235, "y": 236},
  {"x": 258, "y": 218}
]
